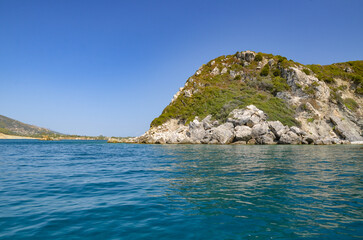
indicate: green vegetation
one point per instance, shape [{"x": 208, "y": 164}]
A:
[
  {"x": 265, "y": 70},
  {"x": 280, "y": 85},
  {"x": 276, "y": 72},
  {"x": 306, "y": 71},
  {"x": 258, "y": 57},
  {"x": 310, "y": 120},
  {"x": 351, "y": 104},
  {"x": 6, "y": 131},
  {"x": 13, "y": 127},
  {"x": 284, "y": 63},
  {"x": 219, "y": 95},
  {"x": 310, "y": 90},
  {"x": 349, "y": 71}
]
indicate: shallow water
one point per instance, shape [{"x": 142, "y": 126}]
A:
[{"x": 95, "y": 190}]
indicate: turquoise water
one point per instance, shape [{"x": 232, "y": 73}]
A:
[{"x": 95, "y": 190}]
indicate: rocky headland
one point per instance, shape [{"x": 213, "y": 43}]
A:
[{"x": 257, "y": 98}]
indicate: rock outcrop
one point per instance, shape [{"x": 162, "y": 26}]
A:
[
  {"x": 288, "y": 103},
  {"x": 245, "y": 126}
]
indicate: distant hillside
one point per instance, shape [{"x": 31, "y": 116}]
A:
[{"x": 13, "y": 127}]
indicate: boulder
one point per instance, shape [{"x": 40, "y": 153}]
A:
[
  {"x": 298, "y": 131},
  {"x": 196, "y": 131},
  {"x": 290, "y": 138},
  {"x": 243, "y": 133},
  {"x": 271, "y": 62},
  {"x": 268, "y": 138},
  {"x": 207, "y": 122},
  {"x": 224, "y": 70},
  {"x": 251, "y": 141},
  {"x": 308, "y": 139},
  {"x": 240, "y": 116},
  {"x": 253, "y": 120},
  {"x": 224, "y": 133},
  {"x": 249, "y": 56},
  {"x": 345, "y": 130},
  {"x": 242, "y": 120},
  {"x": 215, "y": 71},
  {"x": 260, "y": 129},
  {"x": 240, "y": 55},
  {"x": 277, "y": 128}
]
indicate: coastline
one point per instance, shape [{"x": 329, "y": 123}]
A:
[{"x": 5, "y": 136}]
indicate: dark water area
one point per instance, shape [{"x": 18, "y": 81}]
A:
[{"x": 95, "y": 190}]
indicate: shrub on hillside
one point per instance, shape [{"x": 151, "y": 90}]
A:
[
  {"x": 265, "y": 70},
  {"x": 258, "y": 57}
]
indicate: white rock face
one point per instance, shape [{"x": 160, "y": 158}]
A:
[
  {"x": 215, "y": 71},
  {"x": 224, "y": 133},
  {"x": 243, "y": 133},
  {"x": 224, "y": 70}
]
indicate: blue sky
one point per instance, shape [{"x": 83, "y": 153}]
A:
[{"x": 110, "y": 67}]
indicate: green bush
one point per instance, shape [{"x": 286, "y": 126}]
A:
[
  {"x": 279, "y": 85},
  {"x": 351, "y": 104},
  {"x": 306, "y": 71},
  {"x": 357, "y": 79},
  {"x": 280, "y": 58},
  {"x": 276, "y": 72},
  {"x": 258, "y": 57},
  {"x": 328, "y": 79},
  {"x": 265, "y": 70},
  {"x": 309, "y": 90},
  {"x": 238, "y": 77}
]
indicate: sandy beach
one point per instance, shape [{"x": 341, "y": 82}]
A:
[{"x": 4, "y": 136}]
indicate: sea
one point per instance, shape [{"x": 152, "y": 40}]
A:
[{"x": 96, "y": 190}]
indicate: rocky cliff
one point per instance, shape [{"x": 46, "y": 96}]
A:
[{"x": 257, "y": 98}]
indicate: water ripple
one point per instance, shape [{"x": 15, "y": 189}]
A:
[{"x": 94, "y": 190}]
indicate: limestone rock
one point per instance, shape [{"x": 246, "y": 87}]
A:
[
  {"x": 215, "y": 71},
  {"x": 298, "y": 131},
  {"x": 253, "y": 120},
  {"x": 249, "y": 56},
  {"x": 243, "y": 133},
  {"x": 260, "y": 129},
  {"x": 271, "y": 62},
  {"x": 277, "y": 128},
  {"x": 251, "y": 142},
  {"x": 224, "y": 133},
  {"x": 268, "y": 138},
  {"x": 290, "y": 138},
  {"x": 344, "y": 129}
]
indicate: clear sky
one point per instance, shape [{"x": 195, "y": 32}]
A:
[{"x": 110, "y": 67}]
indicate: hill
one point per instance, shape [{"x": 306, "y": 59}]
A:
[
  {"x": 13, "y": 127},
  {"x": 312, "y": 103}
]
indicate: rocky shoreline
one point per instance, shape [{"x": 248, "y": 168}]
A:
[{"x": 244, "y": 126}]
